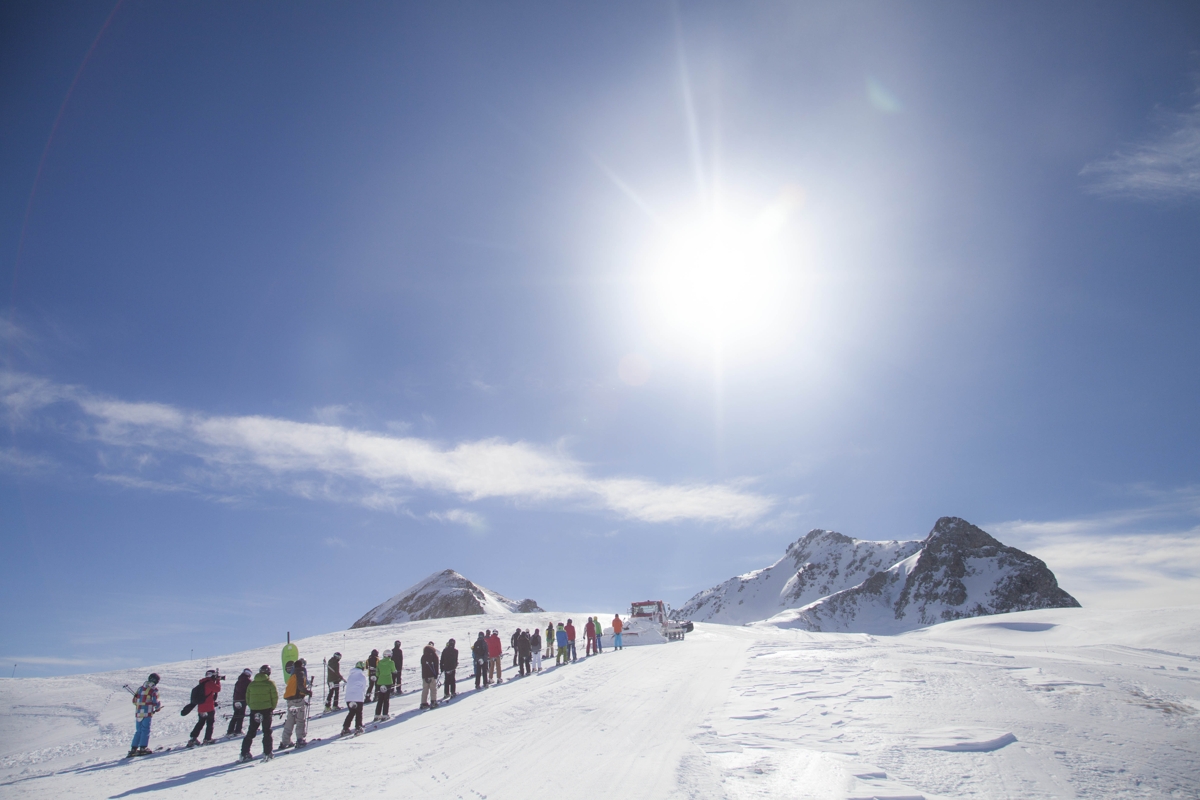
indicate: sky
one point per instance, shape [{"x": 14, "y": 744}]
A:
[{"x": 302, "y": 302}]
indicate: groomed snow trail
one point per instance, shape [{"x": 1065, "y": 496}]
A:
[{"x": 1062, "y": 703}]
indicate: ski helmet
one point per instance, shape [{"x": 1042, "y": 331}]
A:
[
  {"x": 300, "y": 662},
  {"x": 208, "y": 673},
  {"x": 265, "y": 669},
  {"x": 246, "y": 671},
  {"x": 337, "y": 655},
  {"x": 359, "y": 665},
  {"x": 153, "y": 678},
  {"x": 387, "y": 653}
]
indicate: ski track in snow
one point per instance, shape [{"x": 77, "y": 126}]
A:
[{"x": 1058, "y": 703}]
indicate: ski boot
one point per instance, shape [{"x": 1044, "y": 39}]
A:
[
  {"x": 133, "y": 751},
  {"x": 209, "y": 741},
  {"x": 144, "y": 751},
  {"x": 300, "y": 743},
  {"x": 244, "y": 757},
  {"x": 286, "y": 746},
  {"x": 192, "y": 743},
  {"x": 268, "y": 756}
]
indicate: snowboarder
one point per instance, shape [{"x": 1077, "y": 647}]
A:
[
  {"x": 599, "y": 634},
  {"x": 495, "y": 650},
  {"x": 296, "y": 693},
  {"x": 571, "y": 639},
  {"x": 398, "y": 660},
  {"x": 356, "y": 692},
  {"x": 589, "y": 633},
  {"x": 617, "y": 627},
  {"x": 145, "y": 702},
  {"x": 560, "y": 637},
  {"x": 239, "y": 703},
  {"x": 206, "y": 710},
  {"x": 430, "y": 665},
  {"x": 549, "y": 640},
  {"x": 333, "y": 679},
  {"x": 261, "y": 697},
  {"x": 383, "y": 690},
  {"x": 535, "y": 648},
  {"x": 449, "y": 671},
  {"x": 372, "y": 674},
  {"x": 479, "y": 657}
]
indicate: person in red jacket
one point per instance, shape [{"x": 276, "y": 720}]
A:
[
  {"x": 589, "y": 632},
  {"x": 495, "y": 648},
  {"x": 207, "y": 711},
  {"x": 571, "y": 640}
]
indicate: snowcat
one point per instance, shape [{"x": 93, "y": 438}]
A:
[{"x": 648, "y": 623}]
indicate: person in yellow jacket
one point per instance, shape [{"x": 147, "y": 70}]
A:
[{"x": 296, "y": 693}]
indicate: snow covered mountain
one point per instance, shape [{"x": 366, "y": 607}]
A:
[
  {"x": 830, "y": 582},
  {"x": 817, "y": 565},
  {"x": 442, "y": 594}
]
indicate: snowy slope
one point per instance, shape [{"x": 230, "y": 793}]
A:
[
  {"x": 442, "y": 594},
  {"x": 819, "y": 564},
  {"x": 1033, "y": 705}
]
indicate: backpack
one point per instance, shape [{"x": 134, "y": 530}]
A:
[{"x": 199, "y": 692}]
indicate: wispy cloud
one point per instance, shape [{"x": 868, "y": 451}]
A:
[
  {"x": 333, "y": 541},
  {"x": 460, "y": 516},
  {"x": 1166, "y": 166},
  {"x": 1144, "y": 556},
  {"x": 200, "y": 452}
]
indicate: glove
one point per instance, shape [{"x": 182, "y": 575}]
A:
[{"x": 238, "y": 705}]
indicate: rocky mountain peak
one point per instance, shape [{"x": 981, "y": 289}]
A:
[{"x": 442, "y": 594}]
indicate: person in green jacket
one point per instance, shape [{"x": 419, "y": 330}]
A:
[
  {"x": 261, "y": 698},
  {"x": 549, "y": 640},
  {"x": 384, "y": 673}
]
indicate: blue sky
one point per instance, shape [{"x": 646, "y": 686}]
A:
[{"x": 305, "y": 301}]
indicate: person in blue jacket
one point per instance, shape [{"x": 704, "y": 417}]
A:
[{"x": 560, "y": 636}]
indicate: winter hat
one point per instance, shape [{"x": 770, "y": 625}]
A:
[
  {"x": 300, "y": 662},
  {"x": 208, "y": 673},
  {"x": 451, "y": 643},
  {"x": 153, "y": 678},
  {"x": 337, "y": 655},
  {"x": 359, "y": 665},
  {"x": 246, "y": 671}
]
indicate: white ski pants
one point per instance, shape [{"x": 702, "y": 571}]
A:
[{"x": 294, "y": 719}]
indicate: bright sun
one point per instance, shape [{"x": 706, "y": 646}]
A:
[{"x": 719, "y": 279}]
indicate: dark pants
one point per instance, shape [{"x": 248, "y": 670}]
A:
[
  {"x": 331, "y": 697},
  {"x": 514, "y": 647},
  {"x": 353, "y": 715},
  {"x": 450, "y": 688},
  {"x": 371, "y": 686},
  {"x": 239, "y": 714},
  {"x": 383, "y": 696},
  {"x": 526, "y": 663},
  {"x": 480, "y": 672},
  {"x": 205, "y": 721},
  {"x": 258, "y": 718},
  {"x": 571, "y": 648}
]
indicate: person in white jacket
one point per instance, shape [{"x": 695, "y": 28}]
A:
[{"x": 356, "y": 693}]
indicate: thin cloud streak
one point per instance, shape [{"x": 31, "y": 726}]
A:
[
  {"x": 334, "y": 462},
  {"x": 1165, "y": 167}
]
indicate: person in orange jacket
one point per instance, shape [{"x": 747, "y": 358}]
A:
[{"x": 617, "y": 628}]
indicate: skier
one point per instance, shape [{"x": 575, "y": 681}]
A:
[
  {"x": 589, "y": 633},
  {"x": 383, "y": 690},
  {"x": 599, "y": 634},
  {"x": 356, "y": 692},
  {"x": 449, "y": 671},
  {"x": 571, "y": 639},
  {"x": 206, "y": 710},
  {"x": 296, "y": 694},
  {"x": 429, "y": 675},
  {"x": 535, "y": 648},
  {"x": 261, "y": 697},
  {"x": 524, "y": 646},
  {"x": 512, "y": 642},
  {"x": 333, "y": 679},
  {"x": 617, "y": 627},
  {"x": 372, "y": 666},
  {"x": 495, "y": 649},
  {"x": 398, "y": 660},
  {"x": 239, "y": 703},
  {"x": 549, "y": 640},
  {"x": 560, "y": 637},
  {"x": 479, "y": 657},
  {"x": 145, "y": 702}
]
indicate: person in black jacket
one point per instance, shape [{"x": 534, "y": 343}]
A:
[
  {"x": 512, "y": 641},
  {"x": 239, "y": 703},
  {"x": 479, "y": 656},
  {"x": 430, "y": 665},
  {"x": 372, "y": 663},
  {"x": 449, "y": 666},
  {"x": 398, "y": 659},
  {"x": 333, "y": 682},
  {"x": 523, "y": 654}
]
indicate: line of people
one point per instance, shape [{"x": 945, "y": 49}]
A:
[{"x": 256, "y": 695}]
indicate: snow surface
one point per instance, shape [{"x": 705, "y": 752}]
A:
[{"x": 1051, "y": 703}]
